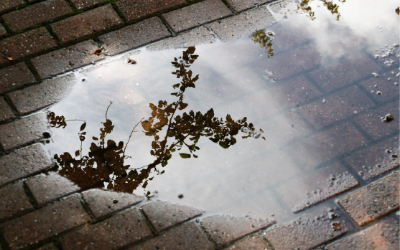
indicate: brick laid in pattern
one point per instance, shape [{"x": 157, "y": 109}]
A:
[
  {"x": 23, "y": 131},
  {"x": 373, "y": 201},
  {"x": 41, "y": 95},
  {"x": 376, "y": 160},
  {"x": 26, "y": 44},
  {"x": 14, "y": 77},
  {"x": 2, "y": 30},
  {"x": 135, "y": 9},
  {"x": 163, "y": 215},
  {"x": 134, "y": 36},
  {"x": 6, "y": 5},
  {"x": 44, "y": 223},
  {"x": 383, "y": 235},
  {"x": 307, "y": 232},
  {"x": 23, "y": 162},
  {"x": 49, "y": 187},
  {"x": 196, "y": 14},
  {"x": 5, "y": 111},
  {"x": 182, "y": 238},
  {"x": 224, "y": 229},
  {"x": 36, "y": 13},
  {"x": 336, "y": 107},
  {"x": 87, "y": 23},
  {"x": 115, "y": 232},
  {"x": 84, "y": 4},
  {"x": 105, "y": 202},
  {"x": 387, "y": 88},
  {"x": 243, "y": 24},
  {"x": 66, "y": 59},
  {"x": 240, "y": 5},
  {"x": 13, "y": 201},
  {"x": 252, "y": 243}
]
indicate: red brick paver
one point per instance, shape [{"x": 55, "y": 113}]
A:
[
  {"x": 383, "y": 235},
  {"x": 252, "y": 243},
  {"x": 135, "y": 9},
  {"x": 5, "y": 111},
  {"x": 196, "y": 14},
  {"x": 373, "y": 201},
  {"x": 23, "y": 162},
  {"x": 115, "y": 232},
  {"x": 87, "y": 23},
  {"x": 83, "y": 4},
  {"x": 66, "y": 59},
  {"x": 6, "y": 5},
  {"x": 182, "y": 238},
  {"x": 26, "y": 44},
  {"x": 23, "y": 131},
  {"x": 13, "y": 201},
  {"x": 243, "y": 24},
  {"x": 42, "y": 95},
  {"x": 49, "y": 246},
  {"x": 36, "y": 14},
  {"x": 163, "y": 215},
  {"x": 135, "y": 35},
  {"x": 14, "y": 77},
  {"x": 44, "y": 223},
  {"x": 103, "y": 202},
  {"x": 224, "y": 229},
  {"x": 49, "y": 187},
  {"x": 2, "y": 30}
]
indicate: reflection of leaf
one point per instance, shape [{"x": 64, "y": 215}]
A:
[
  {"x": 83, "y": 126},
  {"x": 77, "y": 153},
  {"x": 95, "y": 138},
  {"x": 184, "y": 155},
  {"x": 398, "y": 11}
]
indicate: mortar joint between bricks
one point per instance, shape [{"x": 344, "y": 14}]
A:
[
  {"x": 230, "y": 7},
  {"x": 203, "y": 231},
  {"x": 166, "y": 25},
  {"x": 75, "y": 10},
  {"x": 119, "y": 13},
  {"x": 146, "y": 220}
]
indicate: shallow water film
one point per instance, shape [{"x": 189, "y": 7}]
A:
[{"x": 264, "y": 125}]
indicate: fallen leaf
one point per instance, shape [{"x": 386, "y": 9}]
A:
[
  {"x": 336, "y": 226},
  {"x": 97, "y": 52},
  {"x": 10, "y": 58},
  {"x": 131, "y": 61}
]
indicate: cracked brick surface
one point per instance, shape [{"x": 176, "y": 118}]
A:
[{"x": 13, "y": 201}]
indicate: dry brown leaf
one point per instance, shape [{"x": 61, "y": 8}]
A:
[{"x": 97, "y": 52}]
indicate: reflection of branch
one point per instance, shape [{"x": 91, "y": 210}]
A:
[
  {"x": 132, "y": 133},
  {"x": 111, "y": 102}
]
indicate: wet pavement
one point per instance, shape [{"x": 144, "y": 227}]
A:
[{"x": 274, "y": 128}]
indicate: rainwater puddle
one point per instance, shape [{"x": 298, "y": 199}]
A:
[{"x": 268, "y": 124}]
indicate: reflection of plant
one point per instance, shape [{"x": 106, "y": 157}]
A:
[
  {"x": 398, "y": 11},
  {"x": 304, "y": 7},
  {"x": 104, "y": 164},
  {"x": 265, "y": 41}
]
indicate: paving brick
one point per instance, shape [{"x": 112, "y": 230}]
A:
[
  {"x": 23, "y": 162},
  {"x": 26, "y": 44},
  {"x": 196, "y": 14},
  {"x": 383, "y": 235},
  {"x": 36, "y": 14},
  {"x": 13, "y": 201},
  {"x": 381, "y": 85},
  {"x": 234, "y": 27},
  {"x": 49, "y": 246},
  {"x": 292, "y": 62},
  {"x": 105, "y": 202},
  {"x": 193, "y": 37},
  {"x": 134, "y": 36},
  {"x": 185, "y": 237},
  {"x": 253, "y": 243},
  {"x": 2, "y": 30},
  {"x": 375, "y": 160},
  {"x": 326, "y": 145},
  {"x": 163, "y": 215},
  {"x": 317, "y": 186},
  {"x": 44, "y": 223},
  {"x": 87, "y": 23},
  {"x": 371, "y": 121},
  {"x": 287, "y": 37},
  {"x": 42, "y": 95},
  {"x": 49, "y": 187},
  {"x": 224, "y": 229},
  {"x": 135, "y": 9},
  {"x": 373, "y": 201},
  {"x": 307, "y": 232},
  {"x": 14, "y": 77},
  {"x": 23, "y": 131},
  {"x": 344, "y": 72},
  {"x": 84, "y": 4},
  {"x": 241, "y": 5},
  {"x": 5, "y": 111},
  {"x": 6, "y": 5},
  {"x": 336, "y": 107},
  {"x": 115, "y": 232},
  {"x": 66, "y": 59}
]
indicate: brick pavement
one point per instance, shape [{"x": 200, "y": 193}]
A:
[{"x": 41, "y": 39}]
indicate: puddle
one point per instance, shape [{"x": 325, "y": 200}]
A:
[{"x": 239, "y": 127}]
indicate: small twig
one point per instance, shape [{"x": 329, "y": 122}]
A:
[{"x": 131, "y": 134}]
